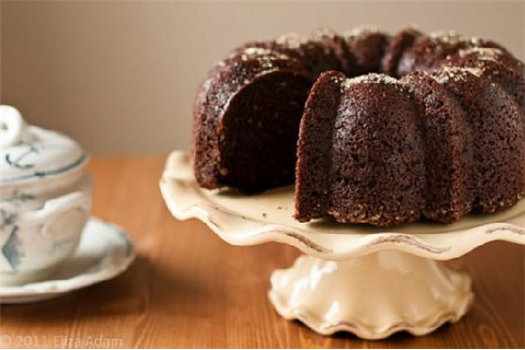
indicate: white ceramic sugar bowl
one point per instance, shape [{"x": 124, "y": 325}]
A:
[{"x": 45, "y": 199}]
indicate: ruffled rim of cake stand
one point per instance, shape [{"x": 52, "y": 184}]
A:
[{"x": 267, "y": 217}]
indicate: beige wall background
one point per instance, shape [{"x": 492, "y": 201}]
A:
[{"x": 120, "y": 76}]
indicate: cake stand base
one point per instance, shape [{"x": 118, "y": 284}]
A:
[{"x": 371, "y": 296}]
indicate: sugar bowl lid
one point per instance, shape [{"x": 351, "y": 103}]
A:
[{"x": 29, "y": 153}]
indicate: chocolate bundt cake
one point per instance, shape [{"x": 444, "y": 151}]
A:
[{"x": 374, "y": 128}]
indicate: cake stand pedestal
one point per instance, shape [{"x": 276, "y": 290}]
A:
[{"x": 366, "y": 280}]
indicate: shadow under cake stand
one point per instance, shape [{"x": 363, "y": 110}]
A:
[{"x": 365, "y": 280}]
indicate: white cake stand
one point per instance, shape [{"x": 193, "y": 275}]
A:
[{"x": 369, "y": 281}]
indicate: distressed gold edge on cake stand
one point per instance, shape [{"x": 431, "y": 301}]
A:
[{"x": 431, "y": 305}]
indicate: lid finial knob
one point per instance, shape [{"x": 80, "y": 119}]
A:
[{"x": 12, "y": 126}]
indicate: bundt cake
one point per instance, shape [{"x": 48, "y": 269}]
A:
[{"x": 374, "y": 128}]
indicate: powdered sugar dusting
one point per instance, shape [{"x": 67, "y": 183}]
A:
[
  {"x": 264, "y": 57},
  {"x": 473, "y": 70},
  {"x": 290, "y": 40},
  {"x": 253, "y": 51},
  {"x": 483, "y": 53},
  {"x": 365, "y": 29},
  {"x": 375, "y": 78},
  {"x": 372, "y": 78},
  {"x": 456, "y": 74},
  {"x": 447, "y": 37},
  {"x": 338, "y": 79},
  {"x": 476, "y": 41}
]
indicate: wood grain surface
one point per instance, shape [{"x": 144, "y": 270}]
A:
[{"x": 188, "y": 288}]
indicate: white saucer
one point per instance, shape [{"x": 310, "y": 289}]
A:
[{"x": 104, "y": 252}]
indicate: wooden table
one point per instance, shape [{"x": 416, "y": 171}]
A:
[{"x": 188, "y": 288}]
